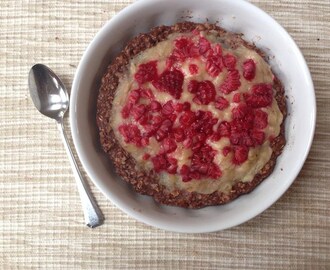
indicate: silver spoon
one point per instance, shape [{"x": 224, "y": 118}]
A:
[{"x": 50, "y": 97}]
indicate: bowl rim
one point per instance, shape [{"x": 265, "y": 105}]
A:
[{"x": 87, "y": 55}]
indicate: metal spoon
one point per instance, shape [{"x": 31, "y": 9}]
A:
[{"x": 50, "y": 97}]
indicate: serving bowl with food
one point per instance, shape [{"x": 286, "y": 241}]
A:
[{"x": 193, "y": 105}]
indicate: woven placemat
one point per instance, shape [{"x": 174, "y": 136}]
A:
[{"x": 41, "y": 223}]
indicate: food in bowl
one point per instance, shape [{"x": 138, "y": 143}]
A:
[{"x": 191, "y": 115}]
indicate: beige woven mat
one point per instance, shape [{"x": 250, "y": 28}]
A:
[{"x": 41, "y": 224}]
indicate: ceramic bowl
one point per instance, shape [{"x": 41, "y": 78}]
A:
[{"x": 238, "y": 16}]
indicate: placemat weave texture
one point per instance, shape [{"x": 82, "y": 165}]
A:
[{"x": 41, "y": 222}]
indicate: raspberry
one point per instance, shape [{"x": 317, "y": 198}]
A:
[
  {"x": 134, "y": 96},
  {"x": 258, "y": 136},
  {"x": 202, "y": 164},
  {"x": 196, "y": 146},
  {"x": 168, "y": 108},
  {"x": 205, "y": 93},
  {"x": 144, "y": 119},
  {"x": 193, "y": 86},
  {"x": 237, "y": 98},
  {"x": 170, "y": 62},
  {"x": 179, "y": 135},
  {"x": 262, "y": 96},
  {"x": 182, "y": 43},
  {"x": 194, "y": 175},
  {"x": 240, "y": 154},
  {"x": 160, "y": 163},
  {"x": 214, "y": 65},
  {"x": 172, "y": 165},
  {"x": 240, "y": 111},
  {"x": 215, "y": 137},
  {"x": 164, "y": 130},
  {"x": 260, "y": 119},
  {"x": 187, "y": 118},
  {"x": 231, "y": 83},
  {"x": 185, "y": 48},
  {"x": 249, "y": 69},
  {"x": 171, "y": 81},
  {"x": 204, "y": 45},
  {"x": 138, "y": 111},
  {"x": 125, "y": 112},
  {"x": 168, "y": 145},
  {"x": 155, "y": 106},
  {"x": 187, "y": 143},
  {"x": 147, "y": 93},
  {"x": 184, "y": 171},
  {"x": 229, "y": 61},
  {"x": 146, "y": 157},
  {"x": 214, "y": 171},
  {"x": 178, "y": 107},
  {"x": 226, "y": 150},
  {"x": 131, "y": 134},
  {"x": 146, "y": 72},
  {"x": 217, "y": 50},
  {"x": 157, "y": 120},
  {"x": 193, "y": 69},
  {"x": 224, "y": 129},
  {"x": 160, "y": 135},
  {"x": 221, "y": 103},
  {"x": 144, "y": 141},
  {"x": 186, "y": 106},
  {"x": 203, "y": 169}
]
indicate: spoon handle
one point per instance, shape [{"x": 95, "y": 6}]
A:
[{"x": 92, "y": 213}]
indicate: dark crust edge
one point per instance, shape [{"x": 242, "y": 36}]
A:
[{"x": 147, "y": 182}]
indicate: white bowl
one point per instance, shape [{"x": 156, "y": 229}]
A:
[{"x": 237, "y": 16}]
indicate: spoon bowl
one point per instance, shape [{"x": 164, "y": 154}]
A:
[{"x": 48, "y": 93}]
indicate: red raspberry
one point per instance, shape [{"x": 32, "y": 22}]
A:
[
  {"x": 258, "y": 136},
  {"x": 172, "y": 165},
  {"x": 146, "y": 72},
  {"x": 185, "y": 48},
  {"x": 205, "y": 93},
  {"x": 224, "y": 129},
  {"x": 217, "y": 50},
  {"x": 171, "y": 81},
  {"x": 240, "y": 154},
  {"x": 155, "y": 106},
  {"x": 138, "y": 111},
  {"x": 260, "y": 119},
  {"x": 187, "y": 118},
  {"x": 204, "y": 45},
  {"x": 179, "y": 134},
  {"x": 237, "y": 98},
  {"x": 214, "y": 65},
  {"x": 240, "y": 111},
  {"x": 231, "y": 83},
  {"x": 168, "y": 108},
  {"x": 221, "y": 103},
  {"x": 193, "y": 86},
  {"x": 147, "y": 93},
  {"x": 229, "y": 61},
  {"x": 226, "y": 150},
  {"x": 262, "y": 96},
  {"x": 125, "y": 112},
  {"x": 249, "y": 69},
  {"x": 168, "y": 145},
  {"x": 131, "y": 134},
  {"x": 160, "y": 163},
  {"x": 134, "y": 96},
  {"x": 193, "y": 69},
  {"x": 146, "y": 157}
]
